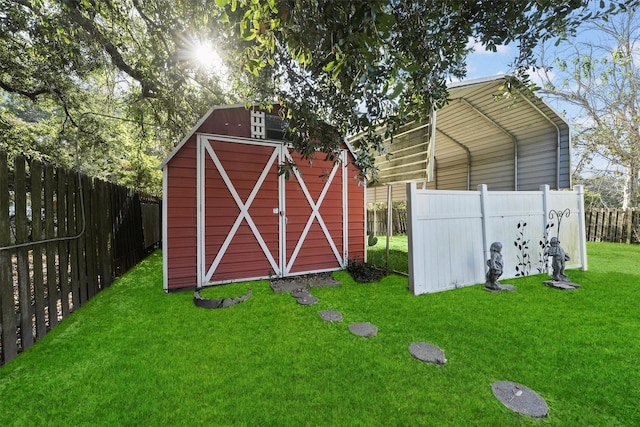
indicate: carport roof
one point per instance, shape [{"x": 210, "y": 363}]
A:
[
  {"x": 487, "y": 126},
  {"x": 480, "y": 121}
]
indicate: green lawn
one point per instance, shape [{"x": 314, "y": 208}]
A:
[
  {"x": 137, "y": 356},
  {"x": 398, "y": 259}
]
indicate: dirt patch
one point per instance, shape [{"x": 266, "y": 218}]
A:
[
  {"x": 365, "y": 273},
  {"x": 288, "y": 284}
]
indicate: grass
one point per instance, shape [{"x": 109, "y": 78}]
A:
[
  {"x": 137, "y": 356},
  {"x": 398, "y": 259}
]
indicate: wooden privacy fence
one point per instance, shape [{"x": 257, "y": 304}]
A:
[
  {"x": 63, "y": 238},
  {"x": 613, "y": 225},
  {"x": 450, "y": 233},
  {"x": 602, "y": 225},
  {"x": 377, "y": 221}
]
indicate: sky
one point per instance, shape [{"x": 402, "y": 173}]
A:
[{"x": 483, "y": 63}]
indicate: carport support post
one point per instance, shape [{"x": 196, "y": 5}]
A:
[{"x": 389, "y": 222}]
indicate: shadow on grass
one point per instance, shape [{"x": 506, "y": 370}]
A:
[{"x": 398, "y": 259}]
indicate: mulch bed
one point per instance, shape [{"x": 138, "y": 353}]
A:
[{"x": 365, "y": 273}]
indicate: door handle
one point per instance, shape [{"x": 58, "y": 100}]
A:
[{"x": 286, "y": 220}]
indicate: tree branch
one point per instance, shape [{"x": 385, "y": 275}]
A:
[
  {"x": 32, "y": 95},
  {"x": 149, "y": 88}
]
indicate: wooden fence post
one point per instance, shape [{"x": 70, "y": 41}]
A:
[
  {"x": 8, "y": 331},
  {"x": 22, "y": 236},
  {"x": 90, "y": 240},
  {"x": 62, "y": 213},
  {"x": 72, "y": 211},
  {"x": 36, "y": 234}
]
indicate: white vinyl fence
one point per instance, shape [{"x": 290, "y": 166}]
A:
[{"x": 450, "y": 233}]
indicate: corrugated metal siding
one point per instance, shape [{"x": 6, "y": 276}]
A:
[
  {"x": 494, "y": 132},
  {"x": 181, "y": 218},
  {"x": 493, "y": 150},
  {"x": 410, "y": 155}
]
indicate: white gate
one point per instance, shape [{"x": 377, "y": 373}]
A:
[{"x": 450, "y": 233}]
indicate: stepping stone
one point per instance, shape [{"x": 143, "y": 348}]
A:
[
  {"x": 203, "y": 302},
  {"x": 307, "y": 300},
  {"x": 503, "y": 288},
  {"x": 520, "y": 399},
  {"x": 364, "y": 329},
  {"x": 301, "y": 292},
  {"x": 427, "y": 353},
  {"x": 331, "y": 316},
  {"x": 565, "y": 286}
]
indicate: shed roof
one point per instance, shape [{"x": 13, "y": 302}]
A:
[{"x": 203, "y": 119}]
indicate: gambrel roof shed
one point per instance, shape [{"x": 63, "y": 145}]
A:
[{"x": 228, "y": 215}]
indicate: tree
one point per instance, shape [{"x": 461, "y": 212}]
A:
[
  {"x": 599, "y": 73},
  {"x": 601, "y": 191},
  {"x": 120, "y": 77},
  {"x": 365, "y": 65},
  {"x": 337, "y": 66},
  {"x": 104, "y": 145}
]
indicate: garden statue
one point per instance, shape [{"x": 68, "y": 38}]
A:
[
  {"x": 495, "y": 270},
  {"x": 495, "y": 267},
  {"x": 558, "y": 259}
]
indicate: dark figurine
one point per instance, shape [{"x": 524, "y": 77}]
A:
[
  {"x": 558, "y": 259},
  {"x": 495, "y": 267}
]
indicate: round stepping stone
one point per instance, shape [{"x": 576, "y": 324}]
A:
[
  {"x": 427, "y": 353},
  {"x": 520, "y": 399},
  {"x": 364, "y": 329},
  {"x": 307, "y": 300},
  {"x": 565, "y": 286},
  {"x": 501, "y": 288},
  {"x": 331, "y": 316},
  {"x": 299, "y": 293}
]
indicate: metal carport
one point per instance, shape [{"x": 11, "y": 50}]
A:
[{"x": 515, "y": 142}]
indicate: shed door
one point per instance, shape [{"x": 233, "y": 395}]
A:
[
  {"x": 255, "y": 224},
  {"x": 315, "y": 211}
]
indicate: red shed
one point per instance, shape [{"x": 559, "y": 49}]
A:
[{"x": 229, "y": 216}]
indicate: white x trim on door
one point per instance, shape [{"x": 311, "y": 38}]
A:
[
  {"x": 244, "y": 211},
  {"x": 213, "y": 268},
  {"x": 315, "y": 215}
]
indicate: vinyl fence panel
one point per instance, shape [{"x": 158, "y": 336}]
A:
[{"x": 450, "y": 233}]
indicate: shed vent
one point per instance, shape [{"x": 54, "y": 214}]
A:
[
  {"x": 274, "y": 127},
  {"x": 258, "y": 128}
]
